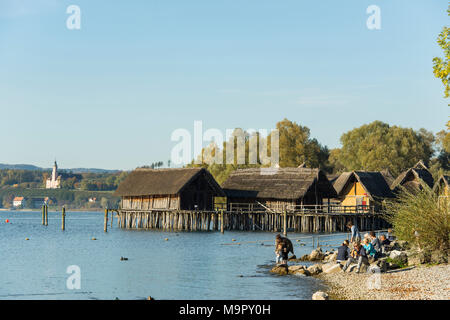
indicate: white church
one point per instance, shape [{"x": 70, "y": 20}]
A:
[{"x": 55, "y": 181}]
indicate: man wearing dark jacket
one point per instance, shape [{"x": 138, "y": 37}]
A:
[{"x": 343, "y": 252}]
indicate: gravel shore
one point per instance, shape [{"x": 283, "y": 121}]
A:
[{"x": 417, "y": 283}]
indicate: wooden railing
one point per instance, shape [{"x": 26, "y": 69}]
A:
[{"x": 329, "y": 209}]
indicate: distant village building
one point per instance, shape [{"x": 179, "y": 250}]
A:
[
  {"x": 172, "y": 189},
  {"x": 19, "y": 202},
  {"x": 414, "y": 178},
  {"x": 283, "y": 189},
  {"x": 363, "y": 189},
  {"x": 55, "y": 181}
]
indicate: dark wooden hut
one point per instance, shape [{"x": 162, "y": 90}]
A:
[
  {"x": 279, "y": 189},
  {"x": 414, "y": 178},
  {"x": 169, "y": 189}
]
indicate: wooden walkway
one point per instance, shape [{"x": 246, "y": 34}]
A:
[{"x": 175, "y": 220}]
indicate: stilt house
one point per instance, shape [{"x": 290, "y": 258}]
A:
[{"x": 172, "y": 189}]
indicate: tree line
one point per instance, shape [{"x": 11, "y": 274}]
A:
[{"x": 375, "y": 146}]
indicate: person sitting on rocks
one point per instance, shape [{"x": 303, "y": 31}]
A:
[
  {"x": 385, "y": 242},
  {"x": 343, "y": 252},
  {"x": 370, "y": 250},
  {"x": 375, "y": 242},
  {"x": 357, "y": 255},
  {"x": 390, "y": 235}
]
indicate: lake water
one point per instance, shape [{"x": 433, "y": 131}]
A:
[{"x": 197, "y": 265}]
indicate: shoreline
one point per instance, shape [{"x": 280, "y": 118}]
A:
[{"x": 412, "y": 283}]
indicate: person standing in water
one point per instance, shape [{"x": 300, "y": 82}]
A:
[
  {"x": 282, "y": 248},
  {"x": 355, "y": 235}
]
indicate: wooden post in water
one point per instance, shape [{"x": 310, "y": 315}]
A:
[
  {"x": 43, "y": 215},
  {"x": 106, "y": 221},
  {"x": 221, "y": 221},
  {"x": 112, "y": 215},
  {"x": 285, "y": 223},
  {"x": 63, "y": 226},
  {"x": 46, "y": 215}
]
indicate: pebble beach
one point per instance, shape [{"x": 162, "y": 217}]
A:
[{"x": 415, "y": 283}]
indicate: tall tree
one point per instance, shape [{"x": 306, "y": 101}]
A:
[
  {"x": 441, "y": 66},
  {"x": 378, "y": 146}
]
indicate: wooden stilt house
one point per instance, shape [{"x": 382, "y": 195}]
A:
[
  {"x": 280, "y": 189},
  {"x": 414, "y": 178},
  {"x": 169, "y": 189},
  {"x": 365, "y": 190}
]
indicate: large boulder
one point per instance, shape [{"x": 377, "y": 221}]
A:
[
  {"x": 282, "y": 270},
  {"x": 304, "y": 257},
  {"x": 316, "y": 255},
  {"x": 315, "y": 269},
  {"x": 398, "y": 257},
  {"x": 291, "y": 258},
  {"x": 439, "y": 256},
  {"x": 331, "y": 257},
  {"x": 320, "y": 295},
  {"x": 381, "y": 264},
  {"x": 331, "y": 268},
  {"x": 298, "y": 270}
]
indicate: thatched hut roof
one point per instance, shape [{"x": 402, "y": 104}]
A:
[
  {"x": 443, "y": 180},
  {"x": 419, "y": 172},
  {"x": 144, "y": 182},
  {"x": 388, "y": 177},
  {"x": 283, "y": 183},
  {"x": 373, "y": 183}
]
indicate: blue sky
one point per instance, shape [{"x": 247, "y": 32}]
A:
[{"x": 110, "y": 94}]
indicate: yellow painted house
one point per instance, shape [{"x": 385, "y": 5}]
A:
[{"x": 364, "y": 189}]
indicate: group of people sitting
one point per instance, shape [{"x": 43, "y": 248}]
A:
[{"x": 363, "y": 252}]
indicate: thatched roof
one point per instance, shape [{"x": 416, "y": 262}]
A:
[
  {"x": 283, "y": 183},
  {"x": 388, "y": 177},
  {"x": 419, "y": 173},
  {"x": 443, "y": 180},
  {"x": 373, "y": 183},
  {"x": 144, "y": 182}
]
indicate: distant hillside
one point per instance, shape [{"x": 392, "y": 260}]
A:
[{"x": 35, "y": 168}]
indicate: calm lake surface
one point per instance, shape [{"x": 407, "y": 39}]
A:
[{"x": 197, "y": 265}]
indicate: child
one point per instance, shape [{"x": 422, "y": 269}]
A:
[{"x": 278, "y": 251}]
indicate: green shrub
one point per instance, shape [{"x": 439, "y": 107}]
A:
[{"x": 423, "y": 211}]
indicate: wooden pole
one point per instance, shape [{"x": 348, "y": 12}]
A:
[
  {"x": 221, "y": 221},
  {"x": 43, "y": 215},
  {"x": 63, "y": 226},
  {"x": 106, "y": 221},
  {"x": 46, "y": 215},
  {"x": 285, "y": 224},
  {"x": 112, "y": 216}
]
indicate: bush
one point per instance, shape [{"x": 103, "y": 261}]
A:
[{"x": 423, "y": 211}]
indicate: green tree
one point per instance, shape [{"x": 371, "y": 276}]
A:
[
  {"x": 378, "y": 146},
  {"x": 441, "y": 66}
]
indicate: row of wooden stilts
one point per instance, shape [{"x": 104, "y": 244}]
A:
[{"x": 245, "y": 221}]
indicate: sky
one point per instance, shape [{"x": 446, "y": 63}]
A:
[{"x": 110, "y": 94}]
